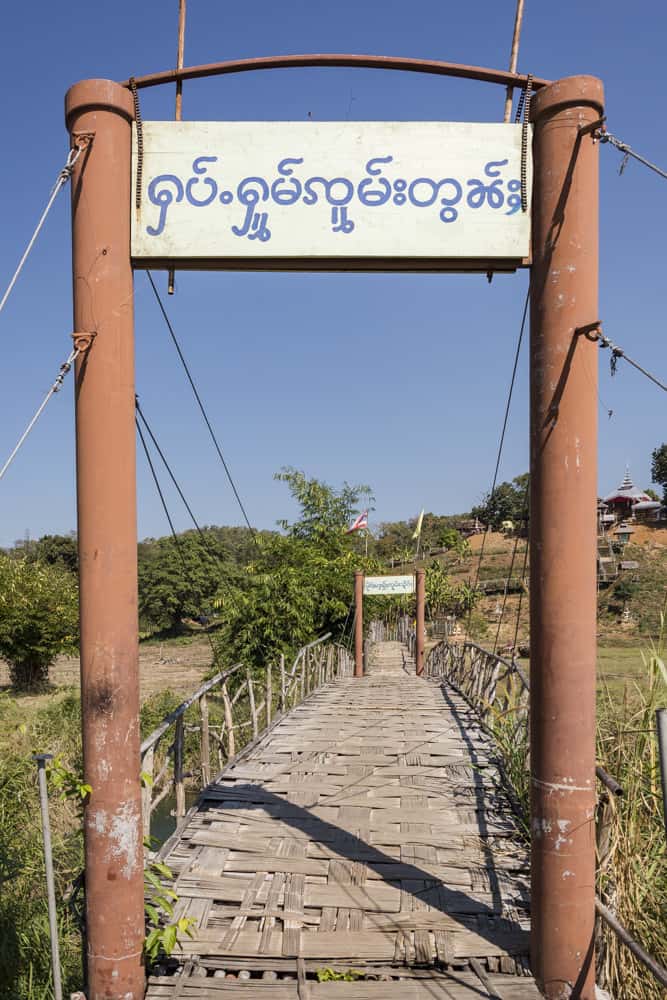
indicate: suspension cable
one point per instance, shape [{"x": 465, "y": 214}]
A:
[
  {"x": 201, "y": 407},
  {"x": 622, "y": 147},
  {"x": 214, "y": 555},
  {"x": 60, "y": 378},
  {"x": 594, "y": 332},
  {"x": 502, "y": 441},
  {"x": 165, "y": 508},
  {"x": 63, "y": 177}
]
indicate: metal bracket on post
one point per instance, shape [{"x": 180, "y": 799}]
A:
[
  {"x": 82, "y": 341},
  {"x": 82, "y": 139}
]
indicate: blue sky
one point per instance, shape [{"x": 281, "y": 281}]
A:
[{"x": 396, "y": 381}]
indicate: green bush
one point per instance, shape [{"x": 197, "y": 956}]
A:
[{"x": 39, "y": 618}]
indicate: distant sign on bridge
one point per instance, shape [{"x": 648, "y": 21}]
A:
[
  {"x": 381, "y": 585},
  {"x": 336, "y": 195}
]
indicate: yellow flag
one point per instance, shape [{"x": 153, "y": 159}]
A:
[{"x": 418, "y": 529}]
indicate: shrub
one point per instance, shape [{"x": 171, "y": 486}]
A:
[{"x": 38, "y": 618}]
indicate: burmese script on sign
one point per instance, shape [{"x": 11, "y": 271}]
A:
[
  {"x": 378, "y": 585},
  {"x": 305, "y": 190}
]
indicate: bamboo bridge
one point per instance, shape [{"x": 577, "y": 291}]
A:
[{"x": 366, "y": 834}]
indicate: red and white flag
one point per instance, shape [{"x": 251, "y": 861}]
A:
[{"x": 361, "y": 522}]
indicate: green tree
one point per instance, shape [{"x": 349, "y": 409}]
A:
[
  {"x": 508, "y": 502},
  {"x": 179, "y": 578},
  {"x": 659, "y": 469},
  {"x": 300, "y": 585},
  {"x": 38, "y": 618},
  {"x": 57, "y": 550}
]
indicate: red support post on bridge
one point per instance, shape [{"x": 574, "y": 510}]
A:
[
  {"x": 100, "y": 114},
  {"x": 420, "y": 623},
  {"x": 358, "y": 624},
  {"x": 564, "y": 298}
]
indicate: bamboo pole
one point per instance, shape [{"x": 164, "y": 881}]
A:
[
  {"x": 179, "y": 748},
  {"x": 205, "y": 743}
]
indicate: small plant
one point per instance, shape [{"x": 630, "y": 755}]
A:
[
  {"x": 331, "y": 976},
  {"x": 162, "y": 930}
]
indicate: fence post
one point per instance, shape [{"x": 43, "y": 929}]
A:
[
  {"x": 303, "y": 673},
  {"x": 205, "y": 745},
  {"x": 358, "y": 624},
  {"x": 179, "y": 747},
  {"x": 420, "y": 623},
  {"x": 251, "y": 699},
  {"x": 147, "y": 769},
  {"x": 229, "y": 722},
  {"x": 282, "y": 683},
  {"x": 269, "y": 695}
]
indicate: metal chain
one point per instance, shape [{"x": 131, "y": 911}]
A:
[
  {"x": 57, "y": 385},
  {"x": 527, "y": 95},
  {"x": 140, "y": 142},
  {"x": 63, "y": 176}
]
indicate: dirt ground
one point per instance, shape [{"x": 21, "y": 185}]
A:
[{"x": 177, "y": 667}]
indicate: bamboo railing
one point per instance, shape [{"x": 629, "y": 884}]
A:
[
  {"x": 487, "y": 681},
  {"x": 244, "y": 710},
  {"x": 493, "y": 685}
]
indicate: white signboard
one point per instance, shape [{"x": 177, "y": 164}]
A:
[
  {"x": 380, "y": 585},
  {"x": 370, "y": 195}
]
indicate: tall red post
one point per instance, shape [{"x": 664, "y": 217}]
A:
[
  {"x": 101, "y": 112},
  {"x": 358, "y": 624},
  {"x": 564, "y": 298},
  {"x": 420, "y": 622}
]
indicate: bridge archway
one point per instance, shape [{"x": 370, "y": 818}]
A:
[{"x": 563, "y": 290}]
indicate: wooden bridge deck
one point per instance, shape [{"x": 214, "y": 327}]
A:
[{"x": 368, "y": 831}]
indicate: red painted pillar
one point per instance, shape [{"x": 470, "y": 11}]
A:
[
  {"x": 564, "y": 297},
  {"x": 420, "y": 622},
  {"x": 358, "y": 624},
  {"x": 107, "y": 530}
]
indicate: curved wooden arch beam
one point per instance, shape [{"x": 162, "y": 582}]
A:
[{"x": 401, "y": 63}]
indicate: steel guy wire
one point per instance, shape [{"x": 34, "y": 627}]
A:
[
  {"x": 187, "y": 506},
  {"x": 203, "y": 411},
  {"x": 64, "y": 369},
  {"x": 502, "y": 438},
  {"x": 617, "y": 352},
  {"x": 63, "y": 177},
  {"x": 628, "y": 152},
  {"x": 177, "y": 541}
]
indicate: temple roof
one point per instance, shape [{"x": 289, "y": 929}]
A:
[{"x": 627, "y": 491}]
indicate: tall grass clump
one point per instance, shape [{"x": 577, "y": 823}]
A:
[
  {"x": 25, "y": 957},
  {"x": 632, "y": 872}
]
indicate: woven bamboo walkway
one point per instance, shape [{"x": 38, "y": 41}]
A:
[{"x": 366, "y": 831}]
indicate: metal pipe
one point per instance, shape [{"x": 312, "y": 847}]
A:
[
  {"x": 358, "y": 624},
  {"x": 178, "y": 110},
  {"x": 608, "y": 781},
  {"x": 401, "y": 63},
  {"x": 659, "y": 971},
  {"x": 420, "y": 622},
  {"x": 107, "y": 535},
  {"x": 41, "y": 759},
  {"x": 563, "y": 437},
  {"x": 514, "y": 56},
  {"x": 661, "y": 726}
]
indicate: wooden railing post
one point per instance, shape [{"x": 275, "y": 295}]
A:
[
  {"x": 229, "y": 722},
  {"x": 269, "y": 695},
  {"x": 251, "y": 699},
  {"x": 282, "y": 683},
  {"x": 147, "y": 769},
  {"x": 179, "y": 748},
  {"x": 205, "y": 741}
]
